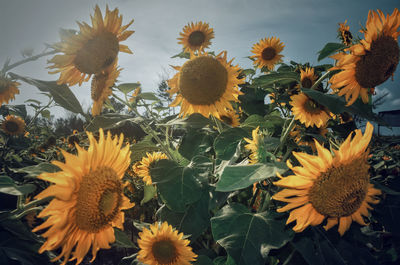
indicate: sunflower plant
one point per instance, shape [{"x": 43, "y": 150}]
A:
[{"x": 266, "y": 165}]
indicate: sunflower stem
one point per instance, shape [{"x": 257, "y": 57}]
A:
[
  {"x": 30, "y": 205},
  {"x": 7, "y": 67},
  {"x": 40, "y": 111},
  {"x": 217, "y": 123},
  {"x": 25, "y": 212},
  {"x": 322, "y": 78},
  {"x": 285, "y": 135}
]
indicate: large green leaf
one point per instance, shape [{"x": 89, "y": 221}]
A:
[
  {"x": 226, "y": 143},
  {"x": 122, "y": 239},
  {"x": 62, "y": 94},
  {"x": 337, "y": 105},
  {"x": 248, "y": 237},
  {"x": 110, "y": 120},
  {"x": 330, "y": 48},
  {"x": 178, "y": 186},
  {"x": 195, "y": 120},
  {"x": 34, "y": 171},
  {"x": 148, "y": 96},
  {"x": 195, "y": 142},
  {"x": 127, "y": 87},
  {"x": 140, "y": 149},
  {"x": 203, "y": 260},
  {"x": 8, "y": 186},
  {"x": 193, "y": 221},
  {"x": 280, "y": 77},
  {"x": 240, "y": 177}
]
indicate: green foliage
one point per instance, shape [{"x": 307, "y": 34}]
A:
[
  {"x": 226, "y": 143},
  {"x": 329, "y": 49}
]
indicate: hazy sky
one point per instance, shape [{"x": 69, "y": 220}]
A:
[{"x": 303, "y": 25}]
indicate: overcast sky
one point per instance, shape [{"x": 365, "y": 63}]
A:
[{"x": 303, "y": 25}]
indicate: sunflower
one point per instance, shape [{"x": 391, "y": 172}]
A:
[
  {"x": 307, "y": 77},
  {"x": 308, "y": 111},
  {"x": 333, "y": 187},
  {"x": 231, "y": 118},
  {"x": 301, "y": 136},
  {"x": 162, "y": 245},
  {"x": 267, "y": 52},
  {"x": 255, "y": 146},
  {"x": 142, "y": 168},
  {"x": 92, "y": 50},
  {"x": 13, "y": 125},
  {"x": 101, "y": 86},
  {"x": 8, "y": 89},
  {"x": 196, "y": 37},
  {"x": 370, "y": 62},
  {"x": 205, "y": 84},
  {"x": 88, "y": 198},
  {"x": 344, "y": 33}
]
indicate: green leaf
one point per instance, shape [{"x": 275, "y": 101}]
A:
[
  {"x": 330, "y": 48},
  {"x": 127, "y": 87},
  {"x": 178, "y": 186},
  {"x": 248, "y": 237},
  {"x": 122, "y": 240},
  {"x": 249, "y": 71},
  {"x": 45, "y": 114},
  {"x": 194, "y": 221},
  {"x": 62, "y": 94},
  {"x": 195, "y": 120},
  {"x": 140, "y": 149},
  {"x": 8, "y": 186},
  {"x": 203, "y": 260},
  {"x": 149, "y": 192},
  {"x": 283, "y": 78},
  {"x": 252, "y": 101},
  {"x": 110, "y": 120},
  {"x": 148, "y": 96},
  {"x": 195, "y": 142},
  {"x": 184, "y": 55},
  {"x": 240, "y": 177},
  {"x": 226, "y": 143},
  {"x": 34, "y": 171},
  {"x": 18, "y": 110},
  {"x": 337, "y": 105}
]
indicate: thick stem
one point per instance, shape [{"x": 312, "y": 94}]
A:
[{"x": 6, "y": 68}]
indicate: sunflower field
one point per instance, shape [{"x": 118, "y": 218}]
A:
[{"x": 275, "y": 164}]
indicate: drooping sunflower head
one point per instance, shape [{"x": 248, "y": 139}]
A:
[
  {"x": 305, "y": 136},
  {"x": 87, "y": 198},
  {"x": 205, "y": 84},
  {"x": 92, "y": 50},
  {"x": 267, "y": 52},
  {"x": 370, "y": 62},
  {"x": 308, "y": 111},
  {"x": 333, "y": 187},
  {"x": 231, "y": 118},
  {"x": 307, "y": 77},
  {"x": 344, "y": 33},
  {"x": 142, "y": 168},
  {"x": 101, "y": 86},
  {"x": 13, "y": 125},
  {"x": 196, "y": 37},
  {"x": 8, "y": 89},
  {"x": 256, "y": 146},
  {"x": 163, "y": 245}
]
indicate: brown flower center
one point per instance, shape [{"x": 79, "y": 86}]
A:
[
  {"x": 312, "y": 107},
  {"x": 203, "y": 80},
  {"x": 11, "y": 126},
  {"x": 268, "y": 53},
  {"x": 196, "y": 38},
  {"x": 378, "y": 64},
  {"x": 97, "y": 53},
  {"x": 164, "y": 252},
  {"x": 227, "y": 120},
  {"x": 99, "y": 199},
  {"x": 306, "y": 82},
  {"x": 347, "y": 37},
  {"x": 98, "y": 86},
  {"x": 341, "y": 190}
]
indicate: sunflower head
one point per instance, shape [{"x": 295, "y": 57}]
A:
[
  {"x": 163, "y": 245},
  {"x": 87, "y": 198},
  {"x": 101, "y": 86},
  {"x": 303, "y": 136},
  {"x": 308, "y": 111},
  {"x": 370, "y": 62},
  {"x": 267, "y": 52},
  {"x": 8, "y": 89},
  {"x": 329, "y": 186},
  {"x": 142, "y": 168},
  {"x": 344, "y": 33},
  {"x": 205, "y": 84},
  {"x": 307, "y": 77},
  {"x": 256, "y": 147},
  {"x": 13, "y": 125},
  {"x": 196, "y": 37},
  {"x": 231, "y": 118},
  {"x": 92, "y": 50}
]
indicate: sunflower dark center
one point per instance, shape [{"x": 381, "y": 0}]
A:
[
  {"x": 378, "y": 64},
  {"x": 203, "y": 80},
  {"x": 98, "y": 85},
  {"x": 312, "y": 107},
  {"x": 341, "y": 190},
  {"x": 164, "y": 252},
  {"x": 197, "y": 38},
  {"x": 347, "y": 37},
  {"x": 97, "y": 53},
  {"x": 227, "y": 120},
  {"x": 11, "y": 126},
  {"x": 99, "y": 199},
  {"x": 306, "y": 82},
  {"x": 268, "y": 53}
]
